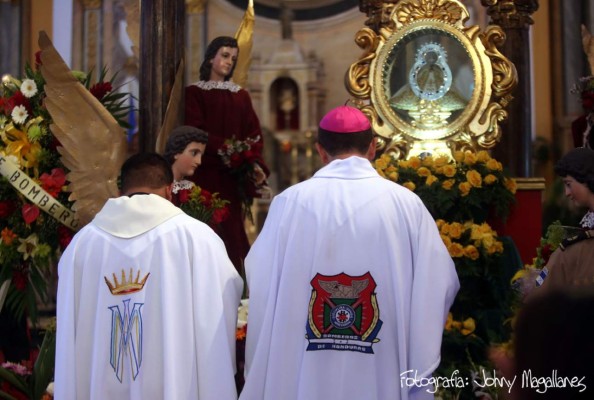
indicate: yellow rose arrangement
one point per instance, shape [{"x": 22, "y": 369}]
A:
[
  {"x": 469, "y": 242},
  {"x": 462, "y": 193},
  {"x": 465, "y": 327},
  {"x": 469, "y": 186},
  {"x": 482, "y": 306}
]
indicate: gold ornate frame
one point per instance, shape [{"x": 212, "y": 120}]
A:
[{"x": 406, "y": 29}]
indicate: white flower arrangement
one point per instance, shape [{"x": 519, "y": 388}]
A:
[
  {"x": 19, "y": 114},
  {"x": 29, "y": 88},
  {"x": 242, "y": 313}
]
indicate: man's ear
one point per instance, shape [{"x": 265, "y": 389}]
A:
[
  {"x": 169, "y": 192},
  {"x": 372, "y": 148},
  {"x": 323, "y": 154}
]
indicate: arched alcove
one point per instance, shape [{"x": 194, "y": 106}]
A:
[{"x": 285, "y": 105}]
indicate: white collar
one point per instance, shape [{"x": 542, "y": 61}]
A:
[
  {"x": 353, "y": 167},
  {"x": 588, "y": 220},
  {"x": 127, "y": 217},
  {"x": 184, "y": 184},
  {"x": 224, "y": 85}
]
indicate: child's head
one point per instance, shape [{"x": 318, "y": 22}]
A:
[{"x": 184, "y": 149}]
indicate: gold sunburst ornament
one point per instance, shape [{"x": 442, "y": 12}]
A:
[{"x": 427, "y": 82}]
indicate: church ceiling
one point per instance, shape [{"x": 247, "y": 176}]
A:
[{"x": 303, "y": 10}]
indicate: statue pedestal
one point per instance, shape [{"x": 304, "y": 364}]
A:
[{"x": 524, "y": 224}]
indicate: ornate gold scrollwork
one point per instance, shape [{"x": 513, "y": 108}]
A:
[
  {"x": 490, "y": 119},
  {"x": 397, "y": 146},
  {"x": 426, "y": 81},
  {"x": 357, "y": 78},
  {"x": 504, "y": 72},
  {"x": 463, "y": 142},
  {"x": 443, "y": 10}
]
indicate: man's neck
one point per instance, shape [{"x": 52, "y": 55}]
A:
[
  {"x": 146, "y": 190},
  {"x": 345, "y": 156}
]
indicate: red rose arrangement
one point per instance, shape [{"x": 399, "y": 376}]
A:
[
  {"x": 241, "y": 154},
  {"x": 241, "y": 157},
  {"x": 203, "y": 205}
]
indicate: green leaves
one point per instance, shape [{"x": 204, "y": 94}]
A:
[{"x": 32, "y": 384}]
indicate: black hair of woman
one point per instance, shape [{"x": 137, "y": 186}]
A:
[
  {"x": 579, "y": 164},
  {"x": 211, "y": 52}
]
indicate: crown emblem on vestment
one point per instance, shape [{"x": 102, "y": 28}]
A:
[{"x": 126, "y": 286}]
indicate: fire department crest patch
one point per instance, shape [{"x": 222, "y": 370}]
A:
[{"x": 343, "y": 313}]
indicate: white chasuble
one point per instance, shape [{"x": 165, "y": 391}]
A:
[
  {"x": 147, "y": 307},
  {"x": 350, "y": 286}
]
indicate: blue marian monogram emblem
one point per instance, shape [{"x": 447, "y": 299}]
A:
[
  {"x": 126, "y": 338},
  {"x": 126, "y": 327}
]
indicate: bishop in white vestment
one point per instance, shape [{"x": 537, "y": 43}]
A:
[{"x": 350, "y": 286}]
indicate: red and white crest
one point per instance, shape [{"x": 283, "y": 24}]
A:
[{"x": 343, "y": 313}]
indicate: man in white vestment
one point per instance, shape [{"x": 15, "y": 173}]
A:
[
  {"x": 350, "y": 283},
  {"x": 147, "y": 300}
]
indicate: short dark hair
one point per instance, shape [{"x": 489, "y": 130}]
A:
[
  {"x": 579, "y": 164},
  {"x": 145, "y": 169},
  {"x": 340, "y": 143},
  {"x": 211, "y": 52},
  {"x": 181, "y": 137}
]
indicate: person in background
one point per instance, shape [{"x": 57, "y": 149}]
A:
[
  {"x": 350, "y": 283},
  {"x": 224, "y": 110},
  {"x": 571, "y": 265},
  {"x": 147, "y": 299}
]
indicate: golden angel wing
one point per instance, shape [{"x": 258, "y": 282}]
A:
[
  {"x": 93, "y": 145},
  {"x": 244, "y": 36},
  {"x": 172, "y": 114},
  {"x": 588, "y": 45}
]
